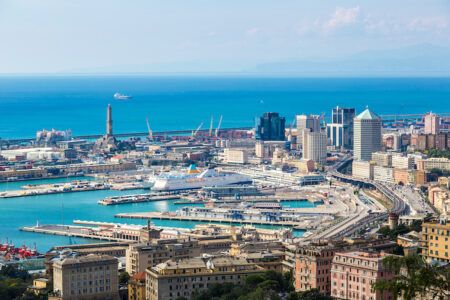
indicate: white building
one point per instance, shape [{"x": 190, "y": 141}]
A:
[
  {"x": 315, "y": 146},
  {"x": 362, "y": 169},
  {"x": 383, "y": 174},
  {"x": 236, "y": 156},
  {"x": 383, "y": 159},
  {"x": 367, "y": 139},
  {"x": 402, "y": 162}
]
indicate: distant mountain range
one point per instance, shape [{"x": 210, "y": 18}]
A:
[{"x": 418, "y": 60}]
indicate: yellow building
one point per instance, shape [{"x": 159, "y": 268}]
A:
[
  {"x": 136, "y": 287},
  {"x": 435, "y": 241},
  {"x": 39, "y": 286}
]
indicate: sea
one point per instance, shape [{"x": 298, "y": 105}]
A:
[{"x": 32, "y": 103}]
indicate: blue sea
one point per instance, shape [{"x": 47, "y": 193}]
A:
[{"x": 28, "y": 104}]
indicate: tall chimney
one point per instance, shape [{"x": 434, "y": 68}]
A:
[{"x": 109, "y": 128}]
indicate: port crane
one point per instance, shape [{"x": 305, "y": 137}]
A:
[
  {"x": 150, "y": 132},
  {"x": 194, "y": 134},
  {"x": 211, "y": 126},
  {"x": 218, "y": 126}
]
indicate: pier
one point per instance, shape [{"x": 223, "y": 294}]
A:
[
  {"x": 61, "y": 188},
  {"x": 73, "y": 231},
  {"x": 164, "y": 216},
  {"x": 140, "y": 198}
]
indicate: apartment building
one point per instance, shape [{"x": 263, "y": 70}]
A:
[
  {"x": 174, "y": 279},
  {"x": 141, "y": 256},
  {"x": 353, "y": 273},
  {"x": 88, "y": 277},
  {"x": 435, "y": 241}
]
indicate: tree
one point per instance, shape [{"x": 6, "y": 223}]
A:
[
  {"x": 313, "y": 294},
  {"x": 123, "y": 278},
  {"x": 414, "y": 277}
]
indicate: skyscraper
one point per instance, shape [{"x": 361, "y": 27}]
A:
[
  {"x": 367, "y": 135},
  {"x": 432, "y": 123},
  {"x": 314, "y": 145},
  {"x": 271, "y": 127},
  {"x": 340, "y": 131},
  {"x": 311, "y": 122}
]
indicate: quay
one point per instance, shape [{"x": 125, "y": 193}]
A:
[
  {"x": 61, "y": 188},
  {"x": 165, "y": 216},
  {"x": 72, "y": 231},
  {"x": 139, "y": 198}
]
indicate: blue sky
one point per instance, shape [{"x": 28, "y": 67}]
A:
[{"x": 39, "y": 36}]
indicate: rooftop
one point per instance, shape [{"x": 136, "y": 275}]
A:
[{"x": 367, "y": 114}]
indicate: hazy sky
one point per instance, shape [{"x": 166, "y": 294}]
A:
[{"x": 171, "y": 35}]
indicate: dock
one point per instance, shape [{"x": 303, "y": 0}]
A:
[
  {"x": 69, "y": 230},
  {"x": 139, "y": 198},
  {"x": 165, "y": 216},
  {"x": 62, "y": 188}
]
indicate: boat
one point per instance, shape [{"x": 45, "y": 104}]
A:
[
  {"x": 120, "y": 96},
  {"x": 194, "y": 179}
]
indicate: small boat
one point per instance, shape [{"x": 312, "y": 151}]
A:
[{"x": 120, "y": 96}]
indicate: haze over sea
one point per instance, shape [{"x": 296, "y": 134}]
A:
[{"x": 28, "y": 104}]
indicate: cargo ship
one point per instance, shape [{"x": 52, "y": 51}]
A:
[{"x": 194, "y": 179}]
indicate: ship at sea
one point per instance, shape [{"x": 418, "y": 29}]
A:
[
  {"x": 195, "y": 179},
  {"x": 120, "y": 96}
]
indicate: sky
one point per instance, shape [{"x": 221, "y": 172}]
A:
[{"x": 54, "y": 36}]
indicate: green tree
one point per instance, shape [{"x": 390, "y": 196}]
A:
[
  {"x": 414, "y": 277},
  {"x": 123, "y": 278}
]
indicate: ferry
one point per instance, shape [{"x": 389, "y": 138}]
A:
[
  {"x": 120, "y": 96},
  {"x": 194, "y": 179}
]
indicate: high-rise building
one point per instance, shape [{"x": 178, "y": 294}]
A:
[
  {"x": 310, "y": 122},
  {"x": 314, "y": 146},
  {"x": 340, "y": 131},
  {"x": 432, "y": 123},
  {"x": 271, "y": 127},
  {"x": 367, "y": 135}
]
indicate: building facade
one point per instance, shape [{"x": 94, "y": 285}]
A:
[
  {"x": 172, "y": 280},
  {"x": 367, "y": 135},
  {"x": 353, "y": 273},
  {"x": 86, "y": 277},
  {"x": 435, "y": 241},
  {"x": 271, "y": 127},
  {"x": 340, "y": 131},
  {"x": 139, "y": 257},
  {"x": 432, "y": 122},
  {"x": 315, "y": 146}
]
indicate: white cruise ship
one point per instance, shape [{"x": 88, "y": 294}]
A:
[{"x": 195, "y": 179}]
